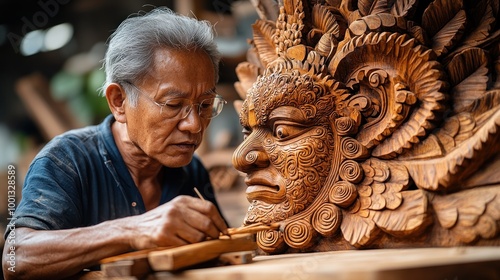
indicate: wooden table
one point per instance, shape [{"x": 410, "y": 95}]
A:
[{"x": 421, "y": 263}]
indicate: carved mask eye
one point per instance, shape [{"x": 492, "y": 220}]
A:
[{"x": 283, "y": 131}]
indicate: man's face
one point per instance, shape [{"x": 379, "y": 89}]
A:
[
  {"x": 176, "y": 74},
  {"x": 286, "y": 153}
]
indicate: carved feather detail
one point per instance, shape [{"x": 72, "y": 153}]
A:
[
  {"x": 411, "y": 217},
  {"x": 368, "y": 7},
  {"x": 485, "y": 11},
  {"x": 469, "y": 215},
  {"x": 444, "y": 21},
  {"x": 468, "y": 73},
  {"x": 403, "y": 8},
  {"x": 326, "y": 26},
  {"x": 413, "y": 111},
  {"x": 357, "y": 230},
  {"x": 263, "y": 32},
  {"x": 325, "y": 21},
  {"x": 444, "y": 172},
  {"x": 247, "y": 74},
  {"x": 423, "y": 76}
]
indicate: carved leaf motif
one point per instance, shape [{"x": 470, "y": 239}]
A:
[
  {"x": 368, "y": 7},
  {"x": 247, "y": 74},
  {"x": 444, "y": 21},
  {"x": 358, "y": 230},
  {"x": 406, "y": 219},
  {"x": 403, "y": 8},
  {"x": 465, "y": 64},
  {"x": 441, "y": 173},
  {"x": 263, "y": 32},
  {"x": 490, "y": 100},
  {"x": 446, "y": 38},
  {"x": 481, "y": 32},
  {"x": 438, "y": 14},
  {"x": 324, "y": 20},
  {"x": 469, "y": 75},
  {"x": 469, "y": 214}
]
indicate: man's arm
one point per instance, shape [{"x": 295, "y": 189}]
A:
[{"x": 62, "y": 253}]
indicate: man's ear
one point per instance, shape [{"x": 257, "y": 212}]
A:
[{"x": 116, "y": 96}]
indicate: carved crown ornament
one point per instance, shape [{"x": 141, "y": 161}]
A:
[{"x": 372, "y": 124}]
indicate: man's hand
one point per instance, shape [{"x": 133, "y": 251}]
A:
[{"x": 182, "y": 221}]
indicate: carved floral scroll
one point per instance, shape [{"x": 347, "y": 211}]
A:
[{"x": 372, "y": 124}]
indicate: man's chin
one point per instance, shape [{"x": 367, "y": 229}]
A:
[{"x": 177, "y": 162}]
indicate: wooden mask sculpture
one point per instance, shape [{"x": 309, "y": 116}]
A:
[{"x": 372, "y": 124}]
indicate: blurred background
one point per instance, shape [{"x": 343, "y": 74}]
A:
[{"x": 50, "y": 59}]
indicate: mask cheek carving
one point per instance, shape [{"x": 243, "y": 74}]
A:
[{"x": 305, "y": 163}]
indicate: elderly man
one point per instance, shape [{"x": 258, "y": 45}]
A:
[{"x": 127, "y": 184}]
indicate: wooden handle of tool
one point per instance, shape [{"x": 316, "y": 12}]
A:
[{"x": 252, "y": 228}]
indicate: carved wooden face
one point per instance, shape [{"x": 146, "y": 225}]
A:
[{"x": 287, "y": 149}]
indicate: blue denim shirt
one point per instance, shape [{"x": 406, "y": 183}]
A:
[{"x": 80, "y": 179}]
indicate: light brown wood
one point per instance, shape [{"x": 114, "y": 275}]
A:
[
  {"x": 138, "y": 267},
  {"x": 383, "y": 264},
  {"x": 254, "y": 228},
  {"x": 372, "y": 124},
  {"x": 236, "y": 258},
  {"x": 188, "y": 255}
]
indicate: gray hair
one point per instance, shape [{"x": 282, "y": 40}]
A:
[{"x": 133, "y": 44}]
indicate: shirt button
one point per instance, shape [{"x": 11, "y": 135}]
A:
[{"x": 134, "y": 204}]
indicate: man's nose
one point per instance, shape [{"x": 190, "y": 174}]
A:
[
  {"x": 250, "y": 155},
  {"x": 192, "y": 122}
]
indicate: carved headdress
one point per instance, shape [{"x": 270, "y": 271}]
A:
[{"x": 408, "y": 93}]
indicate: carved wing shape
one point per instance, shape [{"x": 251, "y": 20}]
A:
[
  {"x": 470, "y": 214},
  {"x": 474, "y": 146},
  {"x": 380, "y": 205},
  {"x": 411, "y": 217}
]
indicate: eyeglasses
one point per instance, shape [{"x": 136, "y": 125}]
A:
[{"x": 180, "y": 108}]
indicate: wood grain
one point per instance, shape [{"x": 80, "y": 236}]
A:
[{"x": 188, "y": 255}]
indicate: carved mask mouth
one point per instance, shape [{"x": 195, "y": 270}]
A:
[{"x": 261, "y": 188}]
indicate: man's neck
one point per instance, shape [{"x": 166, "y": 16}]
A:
[{"x": 146, "y": 172}]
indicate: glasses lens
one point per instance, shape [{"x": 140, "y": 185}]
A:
[
  {"x": 177, "y": 107},
  {"x": 180, "y": 108},
  {"x": 211, "y": 108}
]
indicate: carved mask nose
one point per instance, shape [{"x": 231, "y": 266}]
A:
[{"x": 250, "y": 154}]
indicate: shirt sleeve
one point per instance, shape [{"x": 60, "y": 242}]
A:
[{"x": 50, "y": 196}]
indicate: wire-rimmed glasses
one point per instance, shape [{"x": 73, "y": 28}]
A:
[{"x": 180, "y": 108}]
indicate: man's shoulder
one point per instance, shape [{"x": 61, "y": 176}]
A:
[{"x": 80, "y": 141}]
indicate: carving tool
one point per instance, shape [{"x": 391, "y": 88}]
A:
[{"x": 253, "y": 228}]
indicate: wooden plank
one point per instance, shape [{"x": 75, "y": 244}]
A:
[
  {"x": 382, "y": 264},
  {"x": 236, "y": 258},
  {"x": 138, "y": 268},
  {"x": 188, "y": 255}
]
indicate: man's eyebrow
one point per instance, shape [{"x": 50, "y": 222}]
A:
[{"x": 211, "y": 91}]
